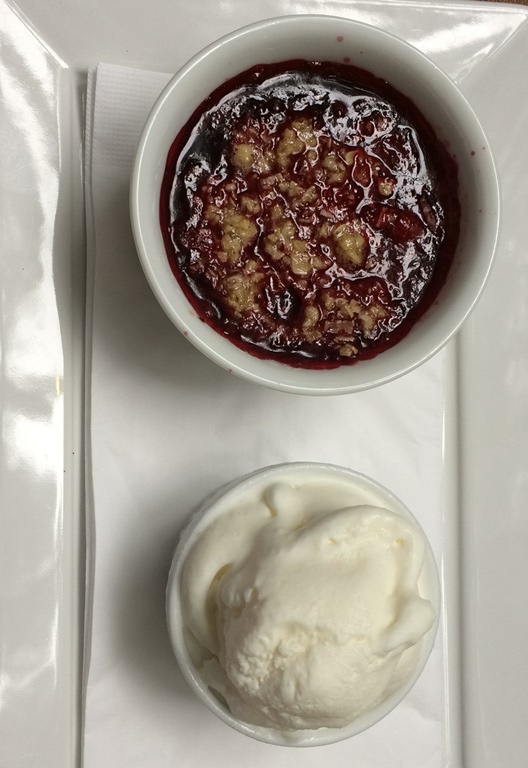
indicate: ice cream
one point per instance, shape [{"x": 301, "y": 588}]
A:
[{"x": 302, "y": 602}]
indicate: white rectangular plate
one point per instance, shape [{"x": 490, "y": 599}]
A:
[{"x": 45, "y": 51}]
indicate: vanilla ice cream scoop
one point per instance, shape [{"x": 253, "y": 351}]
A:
[{"x": 303, "y": 601}]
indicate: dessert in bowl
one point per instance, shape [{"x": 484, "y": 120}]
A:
[
  {"x": 303, "y": 603},
  {"x": 315, "y": 204}
]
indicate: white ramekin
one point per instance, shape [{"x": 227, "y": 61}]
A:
[
  {"x": 324, "y": 38},
  {"x": 223, "y": 501}
]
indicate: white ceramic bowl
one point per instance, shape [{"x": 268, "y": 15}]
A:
[
  {"x": 324, "y": 38},
  {"x": 367, "y": 491}
]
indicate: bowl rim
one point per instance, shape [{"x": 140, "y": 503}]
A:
[
  {"x": 203, "y": 516},
  {"x": 269, "y": 372}
]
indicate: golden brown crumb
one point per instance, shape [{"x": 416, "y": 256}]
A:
[
  {"x": 242, "y": 157},
  {"x": 351, "y": 245}
]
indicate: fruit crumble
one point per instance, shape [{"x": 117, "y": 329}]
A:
[{"x": 309, "y": 212}]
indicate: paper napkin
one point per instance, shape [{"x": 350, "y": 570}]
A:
[{"x": 165, "y": 427}]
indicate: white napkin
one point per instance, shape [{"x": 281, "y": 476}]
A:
[{"x": 166, "y": 427}]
